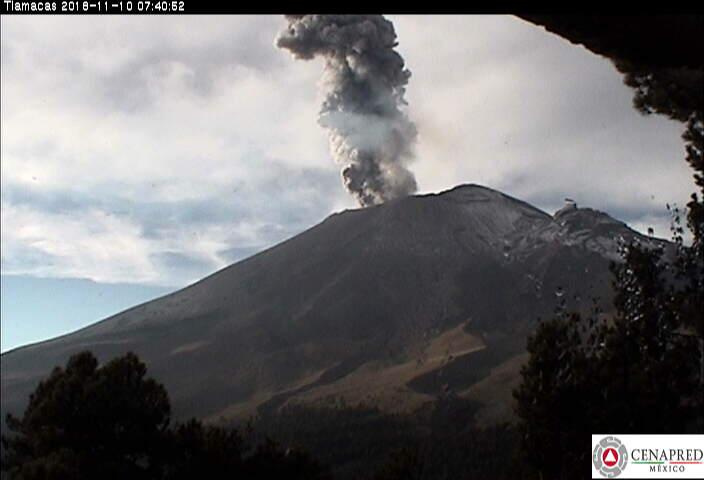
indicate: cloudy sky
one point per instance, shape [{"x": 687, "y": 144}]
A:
[{"x": 141, "y": 153}]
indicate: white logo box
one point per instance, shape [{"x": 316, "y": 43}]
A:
[{"x": 648, "y": 456}]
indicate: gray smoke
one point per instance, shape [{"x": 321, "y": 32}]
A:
[{"x": 364, "y": 83}]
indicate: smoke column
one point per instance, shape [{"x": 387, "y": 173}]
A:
[{"x": 364, "y": 83}]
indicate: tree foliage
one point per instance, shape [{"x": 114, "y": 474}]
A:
[
  {"x": 102, "y": 422},
  {"x": 439, "y": 441},
  {"x": 636, "y": 372},
  {"x": 112, "y": 422},
  {"x": 640, "y": 370}
]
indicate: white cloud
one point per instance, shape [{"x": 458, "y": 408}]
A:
[
  {"x": 109, "y": 248},
  {"x": 130, "y": 144},
  {"x": 501, "y": 102}
]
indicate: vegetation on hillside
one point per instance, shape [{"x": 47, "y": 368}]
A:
[
  {"x": 638, "y": 371},
  {"x": 641, "y": 371},
  {"x": 87, "y": 421}
]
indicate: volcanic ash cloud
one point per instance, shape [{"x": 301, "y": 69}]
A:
[{"x": 364, "y": 84}]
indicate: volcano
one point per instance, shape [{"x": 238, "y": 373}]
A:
[{"x": 391, "y": 305}]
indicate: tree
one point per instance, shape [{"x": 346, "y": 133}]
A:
[
  {"x": 89, "y": 422},
  {"x": 112, "y": 422},
  {"x": 215, "y": 452},
  {"x": 638, "y": 371},
  {"x": 404, "y": 464},
  {"x": 195, "y": 450},
  {"x": 554, "y": 393},
  {"x": 269, "y": 461},
  {"x": 632, "y": 373}
]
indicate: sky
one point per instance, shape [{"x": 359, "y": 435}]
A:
[{"x": 140, "y": 154}]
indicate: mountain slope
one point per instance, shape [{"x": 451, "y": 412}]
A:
[{"x": 389, "y": 305}]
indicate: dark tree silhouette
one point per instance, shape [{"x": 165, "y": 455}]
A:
[
  {"x": 195, "y": 450},
  {"x": 90, "y": 422},
  {"x": 554, "y": 398},
  {"x": 111, "y": 422},
  {"x": 635, "y": 372},
  {"x": 269, "y": 461},
  {"x": 404, "y": 464},
  {"x": 642, "y": 370}
]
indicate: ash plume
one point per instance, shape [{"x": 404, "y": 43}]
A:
[{"x": 364, "y": 84}]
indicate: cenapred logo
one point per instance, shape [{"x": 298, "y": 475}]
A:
[
  {"x": 610, "y": 457},
  {"x": 625, "y": 456}
]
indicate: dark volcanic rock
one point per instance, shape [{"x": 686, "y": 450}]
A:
[{"x": 366, "y": 296}]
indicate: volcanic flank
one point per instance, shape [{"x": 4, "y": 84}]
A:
[{"x": 390, "y": 305}]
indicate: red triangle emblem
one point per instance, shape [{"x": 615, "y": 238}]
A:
[{"x": 610, "y": 457}]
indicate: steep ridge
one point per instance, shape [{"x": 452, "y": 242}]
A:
[{"x": 390, "y": 305}]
